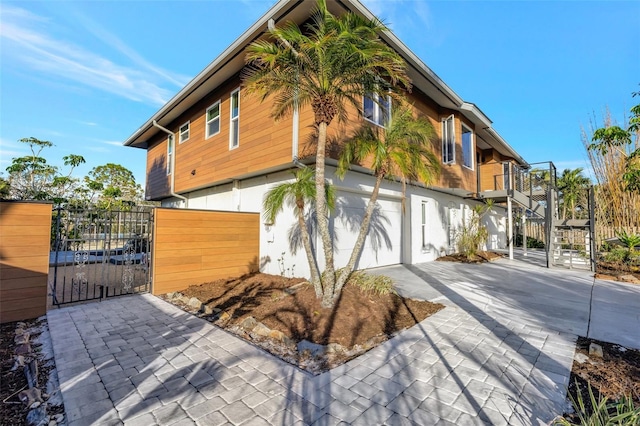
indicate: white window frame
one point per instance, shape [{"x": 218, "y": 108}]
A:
[
  {"x": 233, "y": 137},
  {"x": 424, "y": 224},
  {"x": 378, "y": 113},
  {"x": 170, "y": 154},
  {"x": 449, "y": 140},
  {"x": 208, "y": 121},
  {"x": 471, "y": 147},
  {"x": 182, "y": 133}
]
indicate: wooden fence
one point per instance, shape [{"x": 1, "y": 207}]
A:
[
  {"x": 25, "y": 231},
  {"x": 197, "y": 246}
]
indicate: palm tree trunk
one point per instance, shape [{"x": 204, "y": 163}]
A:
[
  {"x": 364, "y": 230},
  {"x": 306, "y": 242},
  {"x": 329, "y": 280}
]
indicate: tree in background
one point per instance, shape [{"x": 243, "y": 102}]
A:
[
  {"x": 32, "y": 178},
  {"x": 328, "y": 66},
  {"x": 613, "y": 153},
  {"x": 573, "y": 186},
  {"x": 625, "y": 142},
  {"x": 112, "y": 186}
]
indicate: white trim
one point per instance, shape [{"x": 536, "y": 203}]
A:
[
  {"x": 377, "y": 110},
  {"x": 232, "y": 119},
  {"x": 471, "y": 148},
  {"x": 171, "y": 151},
  {"x": 207, "y": 121},
  {"x": 188, "y": 132},
  {"x": 423, "y": 223},
  {"x": 446, "y": 139}
]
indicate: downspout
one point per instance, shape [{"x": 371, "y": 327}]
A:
[{"x": 172, "y": 181}]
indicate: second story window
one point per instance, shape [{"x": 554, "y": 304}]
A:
[
  {"x": 169, "y": 154},
  {"x": 448, "y": 141},
  {"x": 213, "y": 119},
  {"x": 184, "y": 132},
  {"x": 467, "y": 147},
  {"x": 377, "y": 109},
  {"x": 234, "y": 125}
]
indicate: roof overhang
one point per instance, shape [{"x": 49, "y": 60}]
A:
[{"x": 231, "y": 61}]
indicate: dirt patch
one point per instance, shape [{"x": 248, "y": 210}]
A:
[
  {"x": 13, "y": 380},
  {"x": 614, "y": 375},
  {"x": 615, "y": 271},
  {"x": 480, "y": 257},
  {"x": 289, "y": 306}
]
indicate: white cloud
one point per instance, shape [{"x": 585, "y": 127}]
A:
[
  {"x": 112, "y": 143},
  {"x": 26, "y": 39},
  {"x": 98, "y": 149}
]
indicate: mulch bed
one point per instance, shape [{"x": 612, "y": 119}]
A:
[
  {"x": 290, "y": 306},
  {"x": 613, "y": 376},
  {"x": 480, "y": 257},
  {"x": 357, "y": 318},
  {"x": 612, "y": 270},
  {"x": 13, "y": 380}
]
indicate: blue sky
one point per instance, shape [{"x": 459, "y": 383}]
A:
[{"x": 85, "y": 75}]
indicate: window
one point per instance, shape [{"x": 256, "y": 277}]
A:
[
  {"x": 467, "y": 147},
  {"x": 213, "y": 120},
  {"x": 377, "y": 112},
  {"x": 184, "y": 132},
  {"x": 448, "y": 141},
  {"x": 169, "y": 155},
  {"x": 234, "y": 128},
  {"x": 424, "y": 224}
]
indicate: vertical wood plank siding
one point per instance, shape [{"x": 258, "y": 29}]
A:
[
  {"x": 25, "y": 230},
  {"x": 197, "y": 246}
]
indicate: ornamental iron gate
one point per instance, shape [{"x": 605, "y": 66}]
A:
[{"x": 97, "y": 254}]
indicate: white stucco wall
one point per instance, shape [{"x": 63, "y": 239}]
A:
[{"x": 398, "y": 232}]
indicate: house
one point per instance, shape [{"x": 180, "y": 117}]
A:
[{"x": 214, "y": 147}]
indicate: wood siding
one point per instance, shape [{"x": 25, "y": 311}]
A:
[
  {"x": 267, "y": 144},
  {"x": 196, "y": 246},
  {"x": 25, "y": 231}
]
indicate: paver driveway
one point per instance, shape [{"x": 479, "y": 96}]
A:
[{"x": 138, "y": 360}]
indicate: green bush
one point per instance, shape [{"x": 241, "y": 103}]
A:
[
  {"x": 531, "y": 242},
  {"x": 472, "y": 235}
]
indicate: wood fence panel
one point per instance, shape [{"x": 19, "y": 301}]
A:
[
  {"x": 25, "y": 231},
  {"x": 197, "y": 246}
]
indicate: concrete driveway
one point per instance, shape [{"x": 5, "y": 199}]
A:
[{"x": 568, "y": 301}]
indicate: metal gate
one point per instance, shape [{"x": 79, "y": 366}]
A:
[{"x": 97, "y": 254}]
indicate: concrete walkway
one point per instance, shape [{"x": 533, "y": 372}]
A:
[{"x": 495, "y": 355}]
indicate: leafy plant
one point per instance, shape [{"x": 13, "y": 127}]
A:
[
  {"x": 631, "y": 241},
  {"x": 601, "y": 412},
  {"x": 473, "y": 234},
  {"x": 368, "y": 283}
]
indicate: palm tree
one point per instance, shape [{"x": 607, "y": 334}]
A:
[
  {"x": 572, "y": 185},
  {"x": 329, "y": 65},
  {"x": 402, "y": 149},
  {"x": 299, "y": 194}
]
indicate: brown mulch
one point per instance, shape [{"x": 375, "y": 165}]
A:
[
  {"x": 480, "y": 257},
  {"x": 290, "y": 306},
  {"x": 613, "y": 376},
  {"x": 613, "y": 270},
  {"x": 12, "y": 411}
]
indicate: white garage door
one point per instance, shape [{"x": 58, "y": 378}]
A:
[{"x": 383, "y": 245}]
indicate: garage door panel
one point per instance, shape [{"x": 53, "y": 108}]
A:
[{"x": 383, "y": 243}]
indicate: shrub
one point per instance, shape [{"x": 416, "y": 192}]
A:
[
  {"x": 531, "y": 242},
  {"x": 369, "y": 283},
  {"x": 601, "y": 412},
  {"x": 629, "y": 240},
  {"x": 473, "y": 235}
]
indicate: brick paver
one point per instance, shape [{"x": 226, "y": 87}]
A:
[{"x": 139, "y": 360}]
